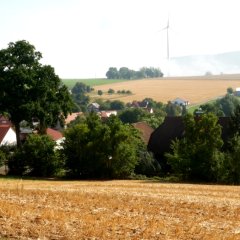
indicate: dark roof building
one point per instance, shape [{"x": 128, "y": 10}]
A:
[
  {"x": 173, "y": 128},
  {"x": 145, "y": 130},
  {"x": 93, "y": 107}
]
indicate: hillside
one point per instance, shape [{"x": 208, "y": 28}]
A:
[
  {"x": 226, "y": 63},
  {"x": 195, "y": 89}
]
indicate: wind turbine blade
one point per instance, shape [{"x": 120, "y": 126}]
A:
[{"x": 163, "y": 29}]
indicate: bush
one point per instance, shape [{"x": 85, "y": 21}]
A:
[
  {"x": 100, "y": 92},
  {"x": 36, "y": 158},
  {"x": 117, "y": 105},
  {"x": 147, "y": 165},
  {"x": 6, "y": 152},
  {"x": 2, "y": 157},
  {"x": 111, "y": 91}
]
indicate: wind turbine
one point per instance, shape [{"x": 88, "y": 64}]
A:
[
  {"x": 168, "y": 54},
  {"x": 163, "y": 29}
]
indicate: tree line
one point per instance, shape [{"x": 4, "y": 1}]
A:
[
  {"x": 224, "y": 106},
  {"x": 92, "y": 149},
  {"x": 126, "y": 73},
  {"x": 202, "y": 155}
]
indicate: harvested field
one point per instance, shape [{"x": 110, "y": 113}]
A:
[
  {"x": 117, "y": 210},
  {"x": 195, "y": 89}
]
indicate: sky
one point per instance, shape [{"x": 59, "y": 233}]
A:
[{"x": 83, "y": 38}]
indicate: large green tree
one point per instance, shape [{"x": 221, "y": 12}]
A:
[
  {"x": 51, "y": 101},
  {"x": 112, "y": 73},
  {"x": 30, "y": 89},
  {"x": 132, "y": 115},
  {"x": 79, "y": 96},
  {"x": 196, "y": 155},
  {"x": 94, "y": 149}
]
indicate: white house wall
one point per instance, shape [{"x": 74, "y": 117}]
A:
[{"x": 10, "y": 138}]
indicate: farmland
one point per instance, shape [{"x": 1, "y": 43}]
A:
[
  {"x": 91, "y": 81},
  {"x": 195, "y": 89},
  {"x": 117, "y": 210}
]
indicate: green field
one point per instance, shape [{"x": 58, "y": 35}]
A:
[
  {"x": 192, "y": 108},
  {"x": 91, "y": 81}
]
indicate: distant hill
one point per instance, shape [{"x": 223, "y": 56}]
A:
[{"x": 195, "y": 65}]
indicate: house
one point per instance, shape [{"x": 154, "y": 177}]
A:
[
  {"x": 180, "y": 101},
  {"x": 56, "y": 136},
  {"x": 72, "y": 117},
  {"x": 173, "y": 128},
  {"x": 7, "y": 135},
  {"x": 141, "y": 104},
  {"x": 4, "y": 121},
  {"x": 106, "y": 114},
  {"x": 24, "y": 132},
  {"x": 145, "y": 130},
  {"x": 237, "y": 92},
  {"x": 93, "y": 107}
]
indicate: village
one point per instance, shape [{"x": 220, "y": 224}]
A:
[{"x": 119, "y": 120}]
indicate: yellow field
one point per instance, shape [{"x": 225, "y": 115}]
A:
[
  {"x": 117, "y": 210},
  {"x": 194, "y": 89}
]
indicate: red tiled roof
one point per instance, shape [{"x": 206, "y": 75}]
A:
[
  {"x": 72, "y": 117},
  {"x": 103, "y": 114},
  {"x": 3, "y": 131},
  {"x": 145, "y": 130},
  {"x": 55, "y": 135}
]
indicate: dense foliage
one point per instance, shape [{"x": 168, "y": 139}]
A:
[
  {"x": 30, "y": 89},
  {"x": 154, "y": 118},
  {"x": 222, "y": 107},
  {"x": 200, "y": 154},
  {"x": 37, "y": 157},
  {"x": 110, "y": 105},
  {"x": 80, "y": 97},
  {"x": 2, "y": 157},
  {"x": 94, "y": 149},
  {"x": 126, "y": 73},
  {"x": 194, "y": 156}
]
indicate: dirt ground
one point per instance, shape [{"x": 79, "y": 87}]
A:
[{"x": 117, "y": 210}]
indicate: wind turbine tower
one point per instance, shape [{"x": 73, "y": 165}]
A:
[
  {"x": 168, "y": 54},
  {"x": 167, "y": 29},
  {"x": 168, "y": 40}
]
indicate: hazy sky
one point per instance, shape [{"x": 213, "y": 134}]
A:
[{"x": 83, "y": 38}]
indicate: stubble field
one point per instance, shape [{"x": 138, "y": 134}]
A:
[
  {"x": 194, "y": 89},
  {"x": 117, "y": 210}
]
